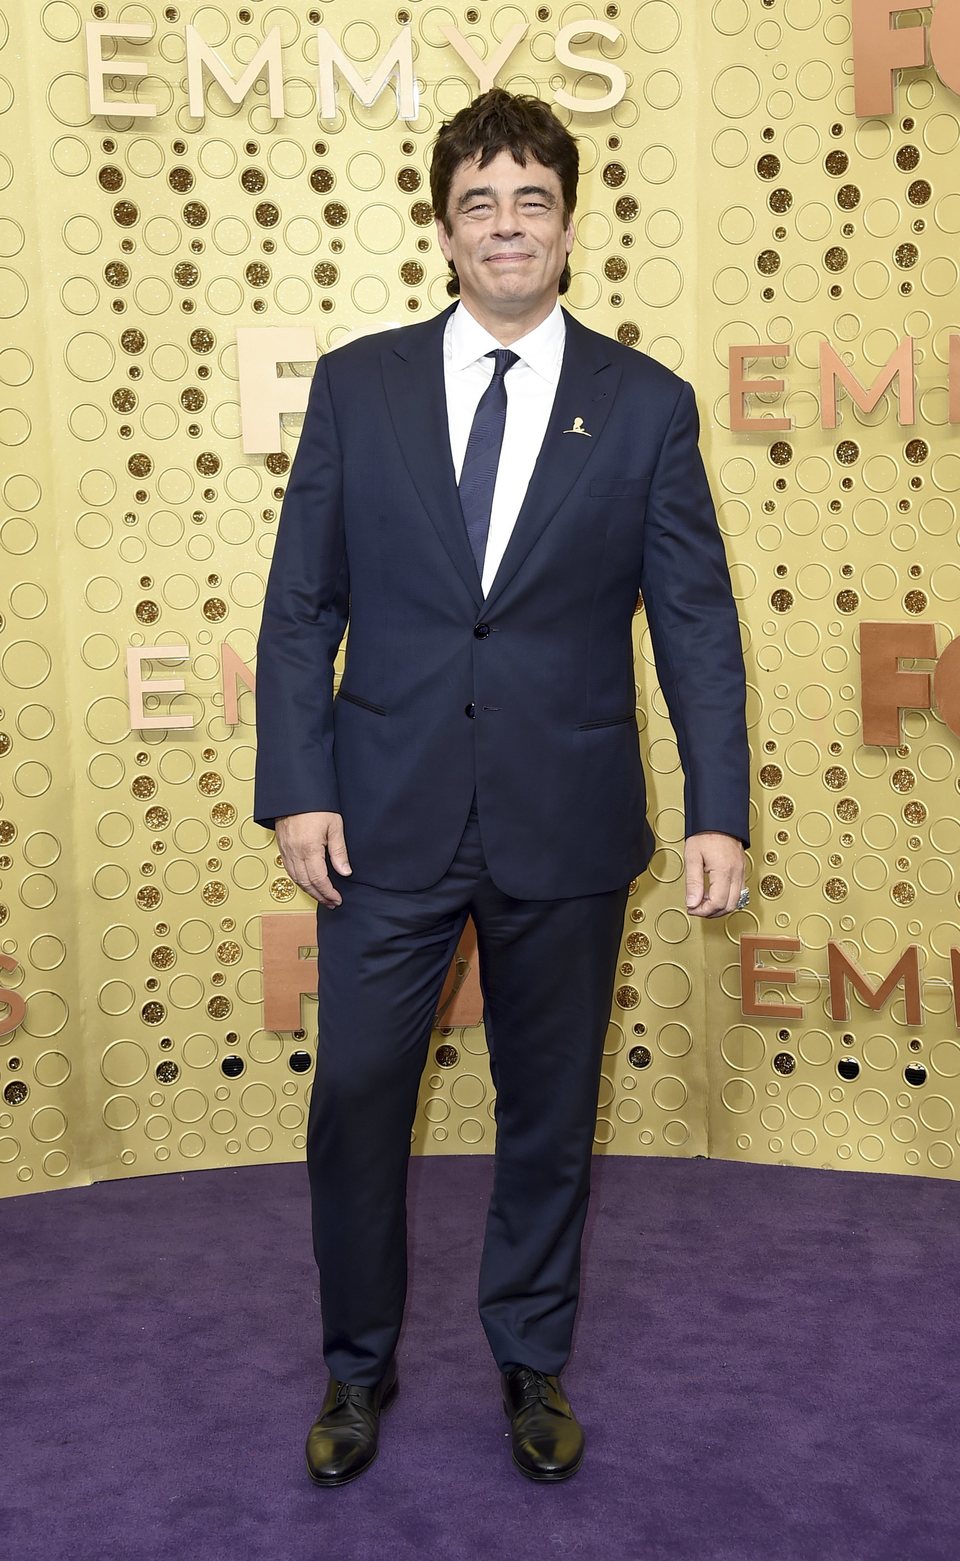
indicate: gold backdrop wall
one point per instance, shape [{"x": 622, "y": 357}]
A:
[{"x": 731, "y": 197}]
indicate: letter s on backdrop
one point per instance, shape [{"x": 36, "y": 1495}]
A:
[{"x": 14, "y": 1002}]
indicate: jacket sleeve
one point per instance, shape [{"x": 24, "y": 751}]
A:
[
  {"x": 304, "y": 616},
  {"x": 695, "y": 631}
]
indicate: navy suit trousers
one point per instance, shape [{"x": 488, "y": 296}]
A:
[{"x": 547, "y": 969}]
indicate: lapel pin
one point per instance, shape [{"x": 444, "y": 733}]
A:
[{"x": 578, "y": 428}]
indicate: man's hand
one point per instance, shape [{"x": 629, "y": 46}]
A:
[
  {"x": 723, "y": 857},
  {"x": 306, "y": 840}
]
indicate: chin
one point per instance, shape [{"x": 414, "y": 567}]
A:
[
  {"x": 513, "y": 299},
  {"x": 514, "y": 285}
]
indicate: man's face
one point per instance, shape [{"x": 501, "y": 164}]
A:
[{"x": 506, "y": 236}]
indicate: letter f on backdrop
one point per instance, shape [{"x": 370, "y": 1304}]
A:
[{"x": 879, "y": 49}]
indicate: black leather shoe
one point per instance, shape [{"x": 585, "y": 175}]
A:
[
  {"x": 547, "y": 1438},
  {"x": 343, "y": 1440}
]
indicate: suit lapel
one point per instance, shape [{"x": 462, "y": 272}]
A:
[
  {"x": 416, "y": 398},
  {"x": 585, "y": 391}
]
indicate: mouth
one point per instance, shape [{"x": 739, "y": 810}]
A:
[{"x": 508, "y": 257}]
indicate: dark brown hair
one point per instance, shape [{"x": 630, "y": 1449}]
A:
[{"x": 500, "y": 121}]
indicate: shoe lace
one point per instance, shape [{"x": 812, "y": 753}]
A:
[
  {"x": 345, "y": 1391},
  {"x": 533, "y": 1385}
]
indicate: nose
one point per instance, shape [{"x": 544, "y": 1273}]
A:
[{"x": 508, "y": 223}]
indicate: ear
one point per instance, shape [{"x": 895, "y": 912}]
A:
[
  {"x": 568, "y": 236},
  {"x": 443, "y": 239}
]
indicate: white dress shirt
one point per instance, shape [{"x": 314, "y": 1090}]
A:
[{"x": 531, "y": 386}]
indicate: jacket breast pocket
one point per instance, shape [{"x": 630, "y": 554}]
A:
[{"x": 619, "y": 487}]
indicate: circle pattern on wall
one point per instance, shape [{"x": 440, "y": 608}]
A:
[{"x": 730, "y": 199}]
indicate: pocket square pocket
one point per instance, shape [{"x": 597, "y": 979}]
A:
[{"x": 619, "y": 487}]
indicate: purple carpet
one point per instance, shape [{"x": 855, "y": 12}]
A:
[{"x": 766, "y": 1364}]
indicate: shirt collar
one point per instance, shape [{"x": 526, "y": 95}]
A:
[{"x": 541, "y": 349}]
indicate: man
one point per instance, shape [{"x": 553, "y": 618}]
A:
[{"x": 483, "y": 496}]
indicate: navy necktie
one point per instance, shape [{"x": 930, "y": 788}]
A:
[{"x": 478, "y": 475}]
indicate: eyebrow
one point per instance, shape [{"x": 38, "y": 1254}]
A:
[{"x": 488, "y": 190}]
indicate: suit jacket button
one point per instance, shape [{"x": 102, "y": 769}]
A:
[
  {"x": 471, "y": 710},
  {"x": 481, "y": 631}
]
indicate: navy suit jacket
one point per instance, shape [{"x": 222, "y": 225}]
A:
[{"x": 526, "y": 696}]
